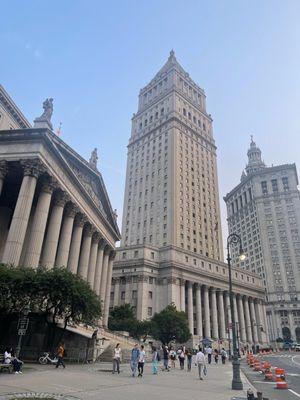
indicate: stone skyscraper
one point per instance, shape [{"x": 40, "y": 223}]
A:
[
  {"x": 264, "y": 209},
  {"x": 171, "y": 249}
]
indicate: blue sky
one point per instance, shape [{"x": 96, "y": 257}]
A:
[{"x": 92, "y": 57}]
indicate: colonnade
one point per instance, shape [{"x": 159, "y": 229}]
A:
[
  {"x": 209, "y": 316},
  {"x": 60, "y": 234}
]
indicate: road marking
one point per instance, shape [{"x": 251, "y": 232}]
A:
[
  {"x": 268, "y": 383},
  {"x": 295, "y": 393},
  {"x": 295, "y": 362}
]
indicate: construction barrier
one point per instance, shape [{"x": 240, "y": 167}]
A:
[{"x": 281, "y": 383}]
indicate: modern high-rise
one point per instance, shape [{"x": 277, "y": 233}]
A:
[
  {"x": 264, "y": 209},
  {"x": 171, "y": 249}
]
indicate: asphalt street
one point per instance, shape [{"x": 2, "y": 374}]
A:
[{"x": 288, "y": 361}]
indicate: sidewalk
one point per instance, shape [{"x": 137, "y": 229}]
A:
[{"x": 95, "y": 382}]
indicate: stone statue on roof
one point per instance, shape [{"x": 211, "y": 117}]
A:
[
  {"x": 44, "y": 121},
  {"x": 94, "y": 159}
]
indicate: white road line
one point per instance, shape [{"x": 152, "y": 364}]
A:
[
  {"x": 295, "y": 393},
  {"x": 268, "y": 383},
  {"x": 295, "y": 362}
]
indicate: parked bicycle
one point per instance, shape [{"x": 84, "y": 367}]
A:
[{"x": 45, "y": 359}]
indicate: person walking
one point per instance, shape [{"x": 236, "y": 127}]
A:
[
  {"x": 189, "y": 355},
  {"x": 223, "y": 355},
  {"x": 216, "y": 356},
  {"x": 141, "y": 363},
  {"x": 155, "y": 359},
  {"x": 200, "y": 362},
  {"x": 209, "y": 353},
  {"x": 166, "y": 357},
  {"x": 117, "y": 358},
  {"x": 135, "y": 353},
  {"x": 172, "y": 357},
  {"x": 60, "y": 355},
  {"x": 181, "y": 356}
]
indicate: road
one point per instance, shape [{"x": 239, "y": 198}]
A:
[{"x": 291, "y": 363}]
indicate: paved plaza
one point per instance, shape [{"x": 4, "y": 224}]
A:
[{"x": 97, "y": 382}]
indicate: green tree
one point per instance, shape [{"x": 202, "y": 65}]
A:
[
  {"x": 170, "y": 324},
  {"x": 122, "y": 318},
  {"x": 56, "y": 294}
]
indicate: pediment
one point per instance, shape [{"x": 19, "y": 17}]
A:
[{"x": 89, "y": 178}]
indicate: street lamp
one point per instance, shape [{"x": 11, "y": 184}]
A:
[{"x": 234, "y": 239}]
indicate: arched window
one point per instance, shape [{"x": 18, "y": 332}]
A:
[{"x": 286, "y": 333}]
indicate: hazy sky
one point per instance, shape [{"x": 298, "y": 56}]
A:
[{"x": 92, "y": 57}]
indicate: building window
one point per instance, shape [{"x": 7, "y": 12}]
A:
[
  {"x": 122, "y": 295},
  {"x": 134, "y": 294},
  {"x": 149, "y": 311},
  {"x": 136, "y": 253},
  {"x": 152, "y": 255},
  {"x": 274, "y": 185},
  {"x": 150, "y": 295},
  {"x": 285, "y": 182},
  {"x": 112, "y": 295},
  {"x": 151, "y": 280},
  {"x": 264, "y": 187},
  {"x": 124, "y": 255}
]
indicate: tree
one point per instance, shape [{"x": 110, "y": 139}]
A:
[
  {"x": 56, "y": 294},
  {"x": 170, "y": 324},
  {"x": 122, "y": 318}
]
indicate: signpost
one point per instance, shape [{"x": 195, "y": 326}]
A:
[{"x": 23, "y": 323}]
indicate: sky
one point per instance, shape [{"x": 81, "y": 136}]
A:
[{"x": 93, "y": 57}]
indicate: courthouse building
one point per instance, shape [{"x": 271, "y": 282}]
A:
[
  {"x": 54, "y": 208},
  {"x": 171, "y": 249},
  {"x": 264, "y": 209}
]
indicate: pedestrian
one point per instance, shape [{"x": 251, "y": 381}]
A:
[
  {"x": 117, "y": 358},
  {"x": 141, "y": 363},
  {"x": 181, "y": 356},
  {"x": 17, "y": 364},
  {"x": 209, "y": 353},
  {"x": 135, "y": 353},
  {"x": 60, "y": 355},
  {"x": 200, "y": 362},
  {"x": 189, "y": 355},
  {"x": 7, "y": 355},
  {"x": 155, "y": 359},
  {"x": 166, "y": 357},
  {"x": 223, "y": 355},
  {"x": 216, "y": 356},
  {"x": 172, "y": 357}
]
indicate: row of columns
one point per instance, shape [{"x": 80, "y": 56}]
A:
[
  {"x": 60, "y": 235},
  {"x": 208, "y": 311}
]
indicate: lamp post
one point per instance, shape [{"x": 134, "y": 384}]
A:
[{"x": 234, "y": 239}]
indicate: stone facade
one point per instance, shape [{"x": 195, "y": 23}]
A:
[
  {"x": 264, "y": 209},
  {"x": 54, "y": 209},
  {"x": 10, "y": 115},
  {"x": 171, "y": 249}
]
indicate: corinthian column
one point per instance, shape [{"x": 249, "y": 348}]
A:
[
  {"x": 98, "y": 272},
  {"x": 241, "y": 319},
  {"x": 214, "y": 313},
  {"x": 247, "y": 320},
  {"x": 75, "y": 243},
  {"x": 65, "y": 236},
  {"x": 206, "y": 313},
  {"x": 108, "y": 288},
  {"x": 198, "y": 311},
  {"x": 104, "y": 274},
  {"x": 85, "y": 252},
  {"x": 117, "y": 292},
  {"x": 221, "y": 315},
  {"x": 52, "y": 235},
  {"x": 19, "y": 223},
  {"x": 93, "y": 259},
  {"x": 253, "y": 321},
  {"x": 190, "y": 307},
  {"x": 37, "y": 231},
  {"x": 182, "y": 295},
  {"x": 3, "y": 172}
]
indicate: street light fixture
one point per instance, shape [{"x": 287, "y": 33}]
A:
[{"x": 234, "y": 239}]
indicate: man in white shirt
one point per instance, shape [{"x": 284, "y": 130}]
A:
[
  {"x": 141, "y": 362},
  {"x": 209, "y": 353},
  {"x": 200, "y": 361}
]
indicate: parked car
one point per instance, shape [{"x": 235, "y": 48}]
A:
[
  {"x": 297, "y": 347},
  {"x": 287, "y": 345}
]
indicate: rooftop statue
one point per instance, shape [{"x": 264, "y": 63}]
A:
[
  {"x": 44, "y": 121},
  {"x": 94, "y": 159}
]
